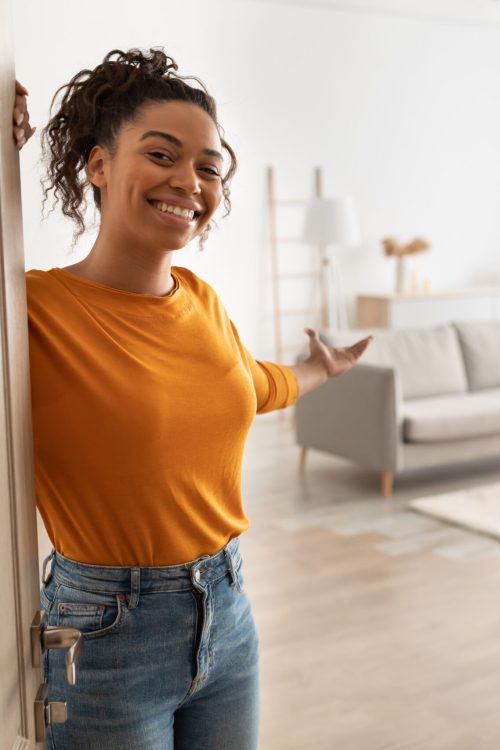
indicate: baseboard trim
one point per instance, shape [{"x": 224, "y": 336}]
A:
[{"x": 21, "y": 743}]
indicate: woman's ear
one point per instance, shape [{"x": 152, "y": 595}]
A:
[{"x": 95, "y": 167}]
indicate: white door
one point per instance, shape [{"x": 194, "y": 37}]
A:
[{"x": 19, "y": 563}]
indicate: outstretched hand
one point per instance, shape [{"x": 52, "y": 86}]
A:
[
  {"x": 335, "y": 361},
  {"x": 22, "y": 129}
]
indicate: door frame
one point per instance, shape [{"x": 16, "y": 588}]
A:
[{"x": 19, "y": 565}]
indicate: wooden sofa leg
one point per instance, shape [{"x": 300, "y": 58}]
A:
[
  {"x": 302, "y": 459},
  {"x": 387, "y": 484}
]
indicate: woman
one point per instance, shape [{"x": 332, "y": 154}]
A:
[{"x": 142, "y": 397}]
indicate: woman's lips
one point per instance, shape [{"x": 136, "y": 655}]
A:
[{"x": 172, "y": 218}]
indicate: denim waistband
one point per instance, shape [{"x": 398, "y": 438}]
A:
[{"x": 208, "y": 568}]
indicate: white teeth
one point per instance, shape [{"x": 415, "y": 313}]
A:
[{"x": 185, "y": 213}]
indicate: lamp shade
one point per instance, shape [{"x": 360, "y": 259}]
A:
[{"x": 331, "y": 221}]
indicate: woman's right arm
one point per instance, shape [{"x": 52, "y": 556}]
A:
[{"x": 22, "y": 129}]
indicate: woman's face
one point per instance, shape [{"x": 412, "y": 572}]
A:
[{"x": 163, "y": 183}]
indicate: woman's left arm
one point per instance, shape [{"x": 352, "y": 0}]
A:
[{"x": 326, "y": 362}]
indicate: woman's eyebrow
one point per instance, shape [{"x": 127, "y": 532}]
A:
[{"x": 172, "y": 139}]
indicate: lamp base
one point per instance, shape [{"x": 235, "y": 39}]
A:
[{"x": 335, "y": 307}]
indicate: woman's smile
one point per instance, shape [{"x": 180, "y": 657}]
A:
[
  {"x": 177, "y": 210},
  {"x": 173, "y": 214}
]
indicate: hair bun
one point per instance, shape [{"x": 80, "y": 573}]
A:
[{"x": 154, "y": 62}]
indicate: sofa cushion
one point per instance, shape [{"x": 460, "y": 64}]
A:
[
  {"x": 429, "y": 361},
  {"x": 451, "y": 417},
  {"x": 480, "y": 344}
]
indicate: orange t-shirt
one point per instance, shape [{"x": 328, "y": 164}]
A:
[{"x": 141, "y": 406}]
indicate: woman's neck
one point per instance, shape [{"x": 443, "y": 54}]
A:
[{"x": 130, "y": 274}]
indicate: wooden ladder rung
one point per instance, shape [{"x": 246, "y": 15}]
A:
[
  {"x": 276, "y": 202},
  {"x": 289, "y": 239},
  {"x": 310, "y": 311},
  {"x": 305, "y": 275}
]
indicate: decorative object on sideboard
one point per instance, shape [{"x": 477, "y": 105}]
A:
[
  {"x": 392, "y": 248},
  {"x": 331, "y": 221}
]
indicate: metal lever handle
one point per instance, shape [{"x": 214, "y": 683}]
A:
[
  {"x": 46, "y": 637},
  {"x": 70, "y": 638}
]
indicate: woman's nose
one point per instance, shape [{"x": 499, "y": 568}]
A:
[{"x": 185, "y": 178}]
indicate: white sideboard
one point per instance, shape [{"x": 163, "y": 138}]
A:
[{"x": 423, "y": 310}]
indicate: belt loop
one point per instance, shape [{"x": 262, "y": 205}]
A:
[
  {"x": 232, "y": 569},
  {"x": 46, "y": 579},
  {"x": 135, "y": 587}
]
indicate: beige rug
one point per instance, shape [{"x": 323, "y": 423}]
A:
[{"x": 477, "y": 508}]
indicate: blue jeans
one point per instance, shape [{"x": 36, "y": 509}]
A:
[{"x": 170, "y": 655}]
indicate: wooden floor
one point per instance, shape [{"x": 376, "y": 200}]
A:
[{"x": 379, "y": 628}]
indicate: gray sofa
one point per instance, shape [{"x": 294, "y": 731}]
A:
[{"x": 417, "y": 398}]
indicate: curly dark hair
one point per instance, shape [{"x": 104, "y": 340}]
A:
[{"x": 96, "y": 104}]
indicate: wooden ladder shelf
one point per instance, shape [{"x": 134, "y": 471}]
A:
[{"x": 276, "y": 243}]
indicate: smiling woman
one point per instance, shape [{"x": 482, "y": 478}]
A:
[
  {"x": 142, "y": 398},
  {"x": 159, "y": 185},
  {"x": 98, "y": 103}
]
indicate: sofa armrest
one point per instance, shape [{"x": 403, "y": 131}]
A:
[{"x": 355, "y": 415}]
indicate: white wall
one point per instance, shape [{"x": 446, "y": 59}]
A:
[{"x": 402, "y": 114}]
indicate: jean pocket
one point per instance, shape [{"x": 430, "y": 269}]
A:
[{"x": 94, "y": 614}]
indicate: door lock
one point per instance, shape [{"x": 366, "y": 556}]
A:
[{"x": 47, "y": 712}]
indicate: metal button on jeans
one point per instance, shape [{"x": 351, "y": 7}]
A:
[{"x": 197, "y": 575}]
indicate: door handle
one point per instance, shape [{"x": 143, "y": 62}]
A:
[{"x": 44, "y": 637}]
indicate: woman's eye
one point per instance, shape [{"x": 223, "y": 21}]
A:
[
  {"x": 210, "y": 170},
  {"x": 160, "y": 155}
]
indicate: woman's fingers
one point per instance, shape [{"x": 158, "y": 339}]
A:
[
  {"x": 314, "y": 340},
  {"x": 18, "y": 115},
  {"x": 22, "y": 129},
  {"x": 20, "y": 89},
  {"x": 359, "y": 347},
  {"x": 20, "y": 136},
  {"x": 21, "y": 107},
  {"x": 311, "y": 333}
]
